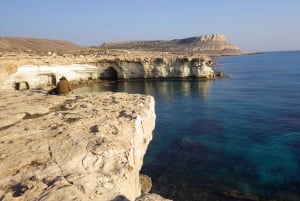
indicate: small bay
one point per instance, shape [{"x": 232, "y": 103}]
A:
[{"x": 229, "y": 139}]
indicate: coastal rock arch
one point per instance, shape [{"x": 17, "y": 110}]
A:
[
  {"x": 22, "y": 85},
  {"x": 109, "y": 73}
]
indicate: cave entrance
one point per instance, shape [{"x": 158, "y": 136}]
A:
[
  {"x": 23, "y": 85},
  {"x": 109, "y": 74}
]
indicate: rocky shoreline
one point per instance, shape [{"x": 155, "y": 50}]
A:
[
  {"x": 82, "y": 147},
  {"x": 86, "y": 147},
  {"x": 71, "y": 147},
  {"x": 41, "y": 72}
]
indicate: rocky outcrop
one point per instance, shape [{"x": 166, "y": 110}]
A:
[
  {"x": 157, "y": 68},
  {"x": 73, "y": 147},
  {"x": 213, "y": 44},
  {"x": 41, "y": 76},
  {"x": 213, "y": 37}
]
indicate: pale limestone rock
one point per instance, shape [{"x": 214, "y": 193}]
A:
[
  {"x": 213, "y": 37},
  {"x": 73, "y": 147},
  {"x": 168, "y": 68},
  {"x": 38, "y": 76},
  {"x": 41, "y": 76}
]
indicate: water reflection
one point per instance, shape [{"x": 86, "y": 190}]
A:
[{"x": 153, "y": 88}]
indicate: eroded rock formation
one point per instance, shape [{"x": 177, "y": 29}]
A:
[
  {"x": 158, "y": 68},
  {"x": 41, "y": 76},
  {"x": 73, "y": 147}
]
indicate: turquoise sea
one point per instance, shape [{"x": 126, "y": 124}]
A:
[{"x": 229, "y": 139}]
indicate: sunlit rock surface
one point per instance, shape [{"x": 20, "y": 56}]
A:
[
  {"x": 35, "y": 76},
  {"x": 73, "y": 147},
  {"x": 48, "y": 75}
]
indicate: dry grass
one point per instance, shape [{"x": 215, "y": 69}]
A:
[{"x": 13, "y": 44}]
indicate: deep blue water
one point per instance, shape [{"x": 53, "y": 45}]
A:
[{"x": 241, "y": 133}]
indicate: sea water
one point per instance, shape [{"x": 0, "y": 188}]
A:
[{"x": 229, "y": 139}]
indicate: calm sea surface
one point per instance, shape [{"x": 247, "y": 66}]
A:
[{"x": 230, "y": 139}]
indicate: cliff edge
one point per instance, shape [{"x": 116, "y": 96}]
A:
[{"x": 73, "y": 147}]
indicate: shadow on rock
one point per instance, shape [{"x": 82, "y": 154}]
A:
[{"x": 120, "y": 198}]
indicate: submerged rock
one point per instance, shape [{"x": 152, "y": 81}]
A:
[
  {"x": 151, "y": 197},
  {"x": 241, "y": 195},
  {"x": 146, "y": 183}
]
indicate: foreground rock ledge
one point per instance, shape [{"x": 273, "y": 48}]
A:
[{"x": 73, "y": 147}]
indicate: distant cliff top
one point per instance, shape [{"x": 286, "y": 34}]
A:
[
  {"x": 209, "y": 44},
  {"x": 15, "y": 44},
  {"x": 204, "y": 38},
  {"x": 212, "y": 44}
]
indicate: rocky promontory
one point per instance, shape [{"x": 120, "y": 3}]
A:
[
  {"x": 39, "y": 63},
  {"x": 86, "y": 147},
  {"x": 212, "y": 44},
  {"x": 73, "y": 147}
]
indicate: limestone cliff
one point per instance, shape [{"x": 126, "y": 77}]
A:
[
  {"x": 73, "y": 147},
  {"x": 213, "y": 44},
  {"x": 41, "y": 76},
  {"x": 158, "y": 68}
]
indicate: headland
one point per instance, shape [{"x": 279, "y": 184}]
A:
[
  {"x": 29, "y": 61},
  {"x": 86, "y": 147}
]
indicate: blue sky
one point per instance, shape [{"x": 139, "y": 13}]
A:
[{"x": 254, "y": 25}]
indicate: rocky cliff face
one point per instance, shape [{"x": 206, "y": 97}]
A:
[
  {"x": 73, "y": 147},
  {"x": 41, "y": 76},
  {"x": 158, "y": 68},
  {"x": 209, "y": 44}
]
